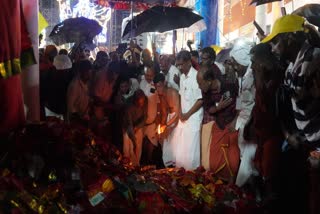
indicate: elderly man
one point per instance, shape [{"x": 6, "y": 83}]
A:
[
  {"x": 222, "y": 152},
  {"x": 169, "y": 71},
  {"x": 188, "y": 148},
  {"x": 240, "y": 62},
  {"x": 295, "y": 41}
]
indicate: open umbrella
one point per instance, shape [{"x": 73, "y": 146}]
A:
[
  {"x": 75, "y": 30},
  {"x": 197, "y": 27},
  {"x": 223, "y": 55},
  {"x": 260, "y": 2},
  {"x": 160, "y": 19},
  {"x": 311, "y": 12},
  {"x": 139, "y": 5}
]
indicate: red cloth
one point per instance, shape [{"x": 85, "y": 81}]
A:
[
  {"x": 224, "y": 153},
  {"x": 14, "y": 36},
  {"x": 14, "y": 40},
  {"x": 265, "y": 122},
  {"x": 267, "y": 130},
  {"x": 11, "y": 104}
]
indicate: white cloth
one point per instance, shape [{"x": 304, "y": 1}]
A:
[
  {"x": 145, "y": 86},
  {"x": 247, "y": 149},
  {"x": 247, "y": 154},
  {"x": 190, "y": 93},
  {"x": 134, "y": 85},
  {"x": 152, "y": 100},
  {"x": 247, "y": 98},
  {"x": 206, "y": 137},
  {"x": 62, "y": 62},
  {"x": 170, "y": 77},
  {"x": 169, "y": 145},
  {"x": 241, "y": 51},
  {"x": 150, "y": 130},
  {"x": 188, "y": 147}
]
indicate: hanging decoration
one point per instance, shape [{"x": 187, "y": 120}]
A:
[
  {"x": 243, "y": 4},
  {"x": 230, "y": 11}
]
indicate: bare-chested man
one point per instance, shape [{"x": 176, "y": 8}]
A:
[
  {"x": 169, "y": 103},
  {"x": 134, "y": 120}
]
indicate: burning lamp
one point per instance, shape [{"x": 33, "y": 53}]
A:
[{"x": 160, "y": 129}]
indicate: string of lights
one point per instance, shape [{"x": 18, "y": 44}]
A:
[{"x": 243, "y": 4}]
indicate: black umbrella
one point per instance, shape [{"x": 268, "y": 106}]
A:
[
  {"x": 161, "y": 19},
  {"x": 75, "y": 30},
  {"x": 223, "y": 55},
  {"x": 311, "y": 12},
  {"x": 260, "y": 2}
]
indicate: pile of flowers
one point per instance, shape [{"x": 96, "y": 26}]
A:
[{"x": 54, "y": 167}]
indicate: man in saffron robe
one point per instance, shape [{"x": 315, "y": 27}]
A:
[{"x": 220, "y": 101}]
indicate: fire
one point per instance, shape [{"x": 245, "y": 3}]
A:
[{"x": 159, "y": 129}]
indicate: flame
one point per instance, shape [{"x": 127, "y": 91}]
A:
[
  {"x": 160, "y": 129},
  {"x": 93, "y": 142}
]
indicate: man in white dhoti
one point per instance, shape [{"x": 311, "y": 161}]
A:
[
  {"x": 191, "y": 113},
  {"x": 170, "y": 108}
]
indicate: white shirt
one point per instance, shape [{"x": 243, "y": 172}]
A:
[
  {"x": 247, "y": 98},
  {"x": 190, "y": 93},
  {"x": 152, "y": 99},
  {"x": 170, "y": 77}
]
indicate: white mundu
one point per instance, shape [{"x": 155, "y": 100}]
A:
[
  {"x": 169, "y": 145},
  {"x": 188, "y": 147}
]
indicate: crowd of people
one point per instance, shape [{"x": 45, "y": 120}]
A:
[{"x": 251, "y": 119}]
